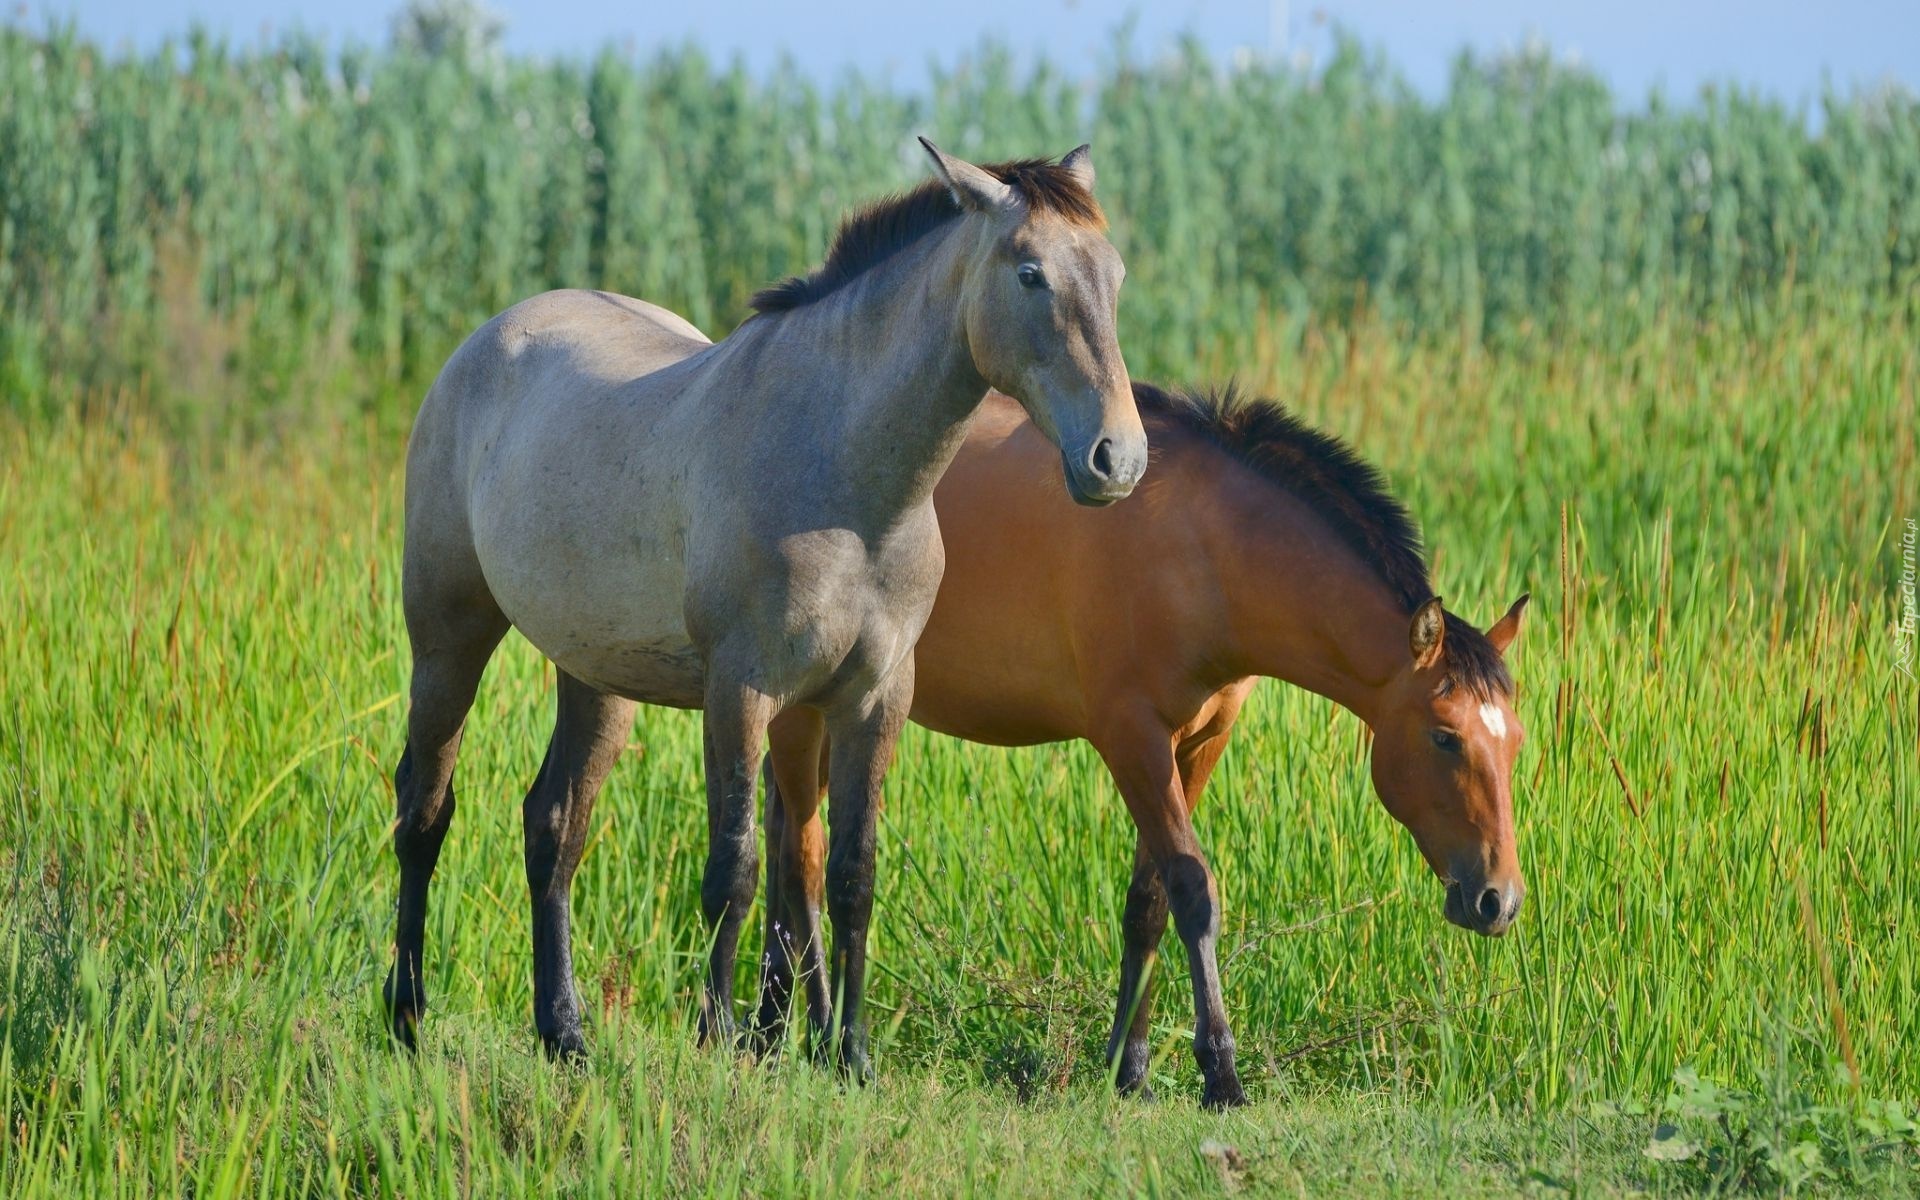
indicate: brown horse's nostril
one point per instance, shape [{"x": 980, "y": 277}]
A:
[
  {"x": 1491, "y": 904},
  {"x": 1102, "y": 460}
]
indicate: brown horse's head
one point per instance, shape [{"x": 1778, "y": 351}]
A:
[
  {"x": 1444, "y": 746},
  {"x": 1039, "y": 304}
]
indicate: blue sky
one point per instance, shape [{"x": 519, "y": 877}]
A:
[{"x": 1784, "y": 48}]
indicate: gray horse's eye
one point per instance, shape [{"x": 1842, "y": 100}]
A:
[{"x": 1031, "y": 276}]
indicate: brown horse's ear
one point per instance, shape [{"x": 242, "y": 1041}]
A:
[
  {"x": 971, "y": 187},
  {"x": 1079, "y": 164},
  {"x": 1429, "y": 630},
  {"x": 1507, "y": 628}
]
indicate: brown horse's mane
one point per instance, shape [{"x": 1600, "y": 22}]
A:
[
  {"x": 884, "y": 228},
  {"x": 1344, "y": 490}
]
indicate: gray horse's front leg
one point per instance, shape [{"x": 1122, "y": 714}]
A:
[
  {"x": 735, "y": 736},
  {"x": 861, "y": 749},
  {"x": 588, "y": 735}
]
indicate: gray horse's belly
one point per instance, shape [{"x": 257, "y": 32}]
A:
[
  {"x": 650, "y": 672},
  {"x": 597, "y": 587},
  {"x": 598, "y": 635},
  {"x": 608, "y": 611}
]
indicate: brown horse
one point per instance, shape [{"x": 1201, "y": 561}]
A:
[{"x": 1256, "y": 546}]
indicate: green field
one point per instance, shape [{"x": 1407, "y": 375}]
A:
[{"x": 202, "y": 671}]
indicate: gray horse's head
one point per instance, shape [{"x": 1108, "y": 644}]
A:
[{"x": 1039, "y": 303}]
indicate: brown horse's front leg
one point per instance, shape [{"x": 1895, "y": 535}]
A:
[
  {"x": 862, "y": 745},
  {"x": 1141, "y": 757},
  {"x": 794, "y": 947},
  {"x": 1145, "y": 923},
  {"x": 735, "y": 732}
]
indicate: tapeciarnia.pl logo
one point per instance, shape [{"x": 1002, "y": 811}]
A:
[{"x": 1903, "y": 632}]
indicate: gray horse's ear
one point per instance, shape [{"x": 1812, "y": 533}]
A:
[
  {"x": 1079, "y": 164},
  {"x": 971, "y": 187},
  {"x": 1507, "y": 628},
  {"x": 1429, "y": 630}
]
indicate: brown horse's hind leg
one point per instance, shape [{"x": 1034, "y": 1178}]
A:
[
  {"x": 587, "y": 739},
  {"x": 1143, "y": 764},
  {"x": 450, "y": 651},
  {"x": 794, "y": 946}
]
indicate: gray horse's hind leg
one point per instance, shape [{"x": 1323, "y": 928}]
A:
[
  {"x": 450, "y": 651},
  {"x": 588, "y": 735}
]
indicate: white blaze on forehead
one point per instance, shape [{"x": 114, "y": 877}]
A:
[{"x": 1494, "y": 720}]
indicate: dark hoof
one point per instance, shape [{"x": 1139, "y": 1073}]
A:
[
  {"x": 569, "y": 1046},
  {"x": 1223, "y": 1095},
  {"x": 854, "y": 1063},
  {"x": 1130, "y": 1072},
  {"x": 716, "y": 1029},
  {"x": 1135, "y": 1087},
  {"x": 403, "y": 1018},
  {"x": 763, "y": 1051},
  {"x": 764, "y": 1041}
]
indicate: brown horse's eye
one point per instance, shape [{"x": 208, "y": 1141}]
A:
[
  {"x": 1031, "y": 276},
  {"x": 1446, "y": 740}
]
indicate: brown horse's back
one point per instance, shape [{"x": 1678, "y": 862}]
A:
[{"x": 1049, "y": 611}]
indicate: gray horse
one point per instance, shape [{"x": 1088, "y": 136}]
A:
[{"x": 744, "y": 527}]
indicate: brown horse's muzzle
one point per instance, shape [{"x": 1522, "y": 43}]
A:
[{"x": 1493, "y": 907}]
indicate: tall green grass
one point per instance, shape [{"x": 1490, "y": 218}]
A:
[
  {"x": 257, "y": 227},
  {"x": 201, "y": 704}
]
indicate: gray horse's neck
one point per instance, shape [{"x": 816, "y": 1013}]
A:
[{"x": 883, "y": 373}]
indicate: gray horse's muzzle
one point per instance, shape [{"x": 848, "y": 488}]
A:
[{"x": 1106, "y": 471}]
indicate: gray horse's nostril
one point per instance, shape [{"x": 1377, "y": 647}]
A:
[
  {"x": 1102, "y": 460},
  {"x": 1491, "y": 904}
]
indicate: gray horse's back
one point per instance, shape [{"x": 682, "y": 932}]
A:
[
  {"x": 495, "y": 514},
  {"x": 593, "y": 335}
]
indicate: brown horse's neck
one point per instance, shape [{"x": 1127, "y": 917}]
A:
[
  {"x": 886, "y": 361},
  {"x": 1302, "y": 605}
]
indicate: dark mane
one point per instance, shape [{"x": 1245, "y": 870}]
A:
[
  {"x": 884, "y": 228},
  {"x": 1345, "y": 490}
]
